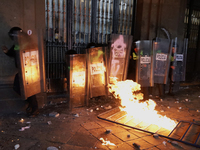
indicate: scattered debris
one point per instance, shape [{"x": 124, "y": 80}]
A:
[
  {"x": 49, "y": 122},
  {"x": 175, "y": 143},
  {"x": 52, "y": 148},
  {"x": 168, "y": 107},
  {"x": 76, "y": 115},
  {"x": 97, "y": 108},
  {"x": 155, "y": 135},
  {"x": 136, "y": 145},
  {"x": 17, "y": 146},
  {"x": 106, "y": 142},
  {"x": 108, "y": 107},
  {"x": 180, "y": 108},
  {"x": 91, "y": 110},
  {"x": 23, "y": 128},
  {"x": 164, "y": 143},
  {"x": 54, "y": 114},
  {"x": 128, "y": 135},
  {"x": 108, "y": 131}
]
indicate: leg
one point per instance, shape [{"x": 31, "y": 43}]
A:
[
  {"x": 161, "y": 90},
  {"x": 33, "y": 105}
]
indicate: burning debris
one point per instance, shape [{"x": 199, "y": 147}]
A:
[
  {"x": 104, "y": 142},
  {"x": 129, "y": 94},
  {"x": 108, "y": 107}
]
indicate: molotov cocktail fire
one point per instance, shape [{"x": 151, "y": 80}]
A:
[{"x": 128, "y": 92}]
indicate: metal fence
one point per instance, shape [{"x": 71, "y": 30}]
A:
[
  {"x": 72, "y": 24},
  {"x": 194, "y": 27}
]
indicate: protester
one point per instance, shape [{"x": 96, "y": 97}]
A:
[{"x": 32, "y": 109}]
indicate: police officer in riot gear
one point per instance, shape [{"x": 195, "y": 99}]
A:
[
  {"x": 171, "y": 69},
  {"x": 32, "y": 109}
]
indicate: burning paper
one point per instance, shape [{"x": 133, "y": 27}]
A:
[
  {"x": 127, "y": 92},
  {"x": 106, "y": 142}
]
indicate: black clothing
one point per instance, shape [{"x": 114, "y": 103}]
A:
[{"x": 33, "y": 105}]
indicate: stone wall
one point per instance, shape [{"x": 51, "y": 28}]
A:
[
  {"x": 26, "y": 14},
  {"x": 152, "y": 15}
]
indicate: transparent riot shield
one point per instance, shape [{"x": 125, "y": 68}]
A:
[
  {"x": 178, "y": 60},
  {"x": 161, "y": 60},
  {"x": 77, "y": 79},
  {"x": 30, "y": 60},
  {"x": 144, "y": 71},
  {"x": 119, "y": 56},
  {"x": 97, "y": 71}
]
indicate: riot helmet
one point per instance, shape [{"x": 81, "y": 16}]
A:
[{"x": 13, "y": 32}]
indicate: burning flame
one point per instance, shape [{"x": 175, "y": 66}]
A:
[
  {"x": 128, "y": 92},
  {"x": 106, "y": 142}
]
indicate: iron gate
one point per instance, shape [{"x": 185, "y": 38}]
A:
[{"x": 72, "y": 24}]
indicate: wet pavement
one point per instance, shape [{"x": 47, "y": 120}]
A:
[{"x": 57, "y": 127}]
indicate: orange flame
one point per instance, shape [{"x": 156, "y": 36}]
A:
[
  {"x": 104, "y": 142},
  {"x": 144, "y": 111}
]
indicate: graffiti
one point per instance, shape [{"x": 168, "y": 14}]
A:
[
  {"x": 118, "y": 48},
  {"x": 115, "y": 67},
  {"x": 118, "y": 51}
]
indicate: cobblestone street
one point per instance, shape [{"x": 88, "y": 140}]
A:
[{"x": 80, "y": 129}]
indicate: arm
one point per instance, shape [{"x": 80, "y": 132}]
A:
[{"x": 10, "y": 52}]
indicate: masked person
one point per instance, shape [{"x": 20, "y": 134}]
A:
[
  {"x": 132, "y": 63},
  {"x": 171, "y": 70},
  {"x": 32, "y": 109}
]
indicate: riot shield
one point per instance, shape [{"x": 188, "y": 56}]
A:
[
  {"x": 119, "y": 56},
  {"x": 30, "y": 60},
  {"x": 97, "y": 71},
  {"x": 77, "y": 79},
  {"x": 144, "y": 70},
  {"x": 178, "y": 60},
  {"x": 161, "y": 60}
]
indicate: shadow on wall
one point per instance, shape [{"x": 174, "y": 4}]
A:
[{"x": 7, "y": 64}]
